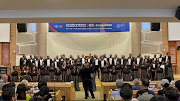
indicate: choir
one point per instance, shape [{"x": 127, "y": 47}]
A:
[{"x": 107, "y": 68}]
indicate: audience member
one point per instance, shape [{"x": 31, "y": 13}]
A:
[
  {"x": 43, "y": 93},
  {"x": 136, "y": 85},
  {"x": 177, "y": 85},
  {"x": 12, "y": 84},
  {"x": 21, "y": 92},
  {"x": 145, "y": 85},
  {"x": 115, "y": 94},
  {"x": 126, "y": 85},
  {"x": 41, "y": 84},
  {"x": 4, "y": 79},
  {"x": 169, "y": 79},
  {"x": 159, "y": 98},
  {"x": 143, "y": 95},
  {"x": 9, "y": 94},
  {"x": 171, "y": 93},
  {"x": 165, "y": 84},
  {"x": 126, "y": 94}
]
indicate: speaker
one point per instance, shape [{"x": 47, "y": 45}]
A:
[
  {"x": 178, "y": 13},
  {"x": 21, "y": 27},
  {"x": 155, "y": 26}
]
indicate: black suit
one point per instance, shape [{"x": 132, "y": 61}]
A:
[
  {"x": 21, "y": 61},
  {"x": 45, "y": 61},
  {"x": 169, "y": 58},
  {"x": 124, "y": 61},
  {"x": 96, "y": 66},
  {"x": 86, "y": 78},
  {"x": 30, "y": 63}
]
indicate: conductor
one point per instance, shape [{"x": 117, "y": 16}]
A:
[{"x": 86, "y": 79}]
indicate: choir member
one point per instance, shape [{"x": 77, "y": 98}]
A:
[
  {"x": 153, "y": 69},
  {"x": 144, "y": 70},
  {"x": 14, "y": 75},
  {"x": 23, "y": 65},
  {"x": 130, "y": 60},
  {"x": 36, "y": 61},
  {"x": 93, "y": 77},
  {"x": 126, "y": 74},
  {"x": 42, "y": 66},
  {"x": 107, "y": 64},
  {"x": 155, "y": 59},
  {"x": 149, "y": 59},
  {"x": 83, "y": 59},
  {"x": 64, "y": 72},
  {"x": 33, "y": 66},
  {"x": 103, "y": 63},
  {"x": 167, "y": 57},
  {"x": 160, "y": 59},
  {"x": 96, "y": 64},
  {"x": 51, "y": 71},
  {"x": 115, "y": 59},
  {"x": 105, "y": 58},
  {"x": 119, "y": 69},
  {"x": 58, "y": 75},
  {"x": 168, "y": 70},
  {"x": 40, "y": 62},
  {"x": 122, "y": 60},
  {"x": 78, "y": 57},
  {"x": 34, "y": 75},
  {"x": 48, "y": 61},
  {"x": 105, "y": 74},
  {"x": 114, "y": 74},
  {"x": 56, "y": 62},
  {"x": 89, "y": 59},
  {"x": 135, "y": 71},
  {"x": 30, "y": 62},
  {"x": 45, "y": 75},
  {"x": 24, "y": 74},
  {"x": 22, "y": 60},
  {"x": 74, "y": 78},
  {"x": 159, "y": 73},
  {"x": 138, "y": 60},
  {"x": 110, "y": 60}
]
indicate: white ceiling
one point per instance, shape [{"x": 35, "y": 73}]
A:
[{"x": 87, "y": 4}]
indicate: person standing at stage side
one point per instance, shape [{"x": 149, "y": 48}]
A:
[
  {"x": 168, "y": 70},
  {"x": 86, "y": 78}
]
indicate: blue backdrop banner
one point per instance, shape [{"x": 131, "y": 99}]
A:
[{"x": 89, "y": 27}]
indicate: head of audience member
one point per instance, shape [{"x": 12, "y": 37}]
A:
[
  {"x": 159, "y": 98},
  {"x": 44, "y": 91},
  {"x": 136, "y": 82},
  {"x": 12, "y": 84},
  {"x": 168, "y": 78},
  {"x": 145, "y": 84},
  {"x": 119, "y": 83},
  {"x": 171, "y": 93},
  {"x": 126, "y": 94},
  {"x": 21, "y": 92},
  {"x": 139, "y": 93},
  {"x": 126, "y": 85},
  {"x": 42, "y": 83},
  {"x": 4, "y": 77},
  {"x": 25, "y": 82},
  {"x": 165, "y": 83},
  {"x": 177, "y": 86},
  {"x": 9, "y": 94}
]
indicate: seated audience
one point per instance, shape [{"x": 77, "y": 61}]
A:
[
  {"x": 9, "y": 94},
  {"x": 126, "y": 94},
  {"x": 136, "y": 85},
  {"x": 177, "y": 85},
  {"x": 4, "y": 79},
  {"x": 171, "y": 93},
  {"x": 159, "y": 98},
  {"x": 21, "y": 92},
  {"x": 40, "y": 84},
  {"x": 43, "y": 93},
  {"x": 143, "y": 95},
  {"x": 165, "y": 84},
  {"x": 170, "y": 80},
  {"x": 119, "y": 84},
  {"x": 145, "y": 85},
  {"x": 126, "y": 85}
]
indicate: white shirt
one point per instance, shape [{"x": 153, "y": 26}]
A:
[
  {"x": 105, "y": 59},
  {"x": 154, "y": 59},
  {"x": 129, "y": 61},
  {"x": 160, "y": 59},
  {"x": 55, "y": 63},
  {"x": 96, "y": 62},
  {"x": 89, "y": 60},
  {"x": 138, "y": 60},
  {"x": 115, "y": 60},
  {"x": 72, "y": 62},
  {"x": 83, "y": 60},
  {"x": 162, "y": 66},
  {"x": 110, "y": 61},
  {"x": 57, "y": 60},
  {"x": 166, "y": 58},
  {"x": 36, "y": 62},
  {"x": 153, "y": 65},
  {"x": 102, "y": 63},
  {"x": 121, "y": 61},
  {"x": 41, "y": 62},
  {"x": 25, "y": 61},
  {"x": 48, "y": 62}
]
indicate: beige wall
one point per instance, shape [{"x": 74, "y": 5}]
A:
[{"x": 85, "y": 43}]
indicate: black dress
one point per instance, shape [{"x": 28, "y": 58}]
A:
[
  {"x": 114, "y": 75},
  {"x": 105, "y": 75},
  {"x": 159, "y": 75},
  {"x": 126, "y": 74},
  {"x": 134, "y": 70},
  {"x": 34, "y": 76},
  {"x": 15, "y": 76},
  {"x": 57, "y": 75},
  {"x": 64, "y": 74}
]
